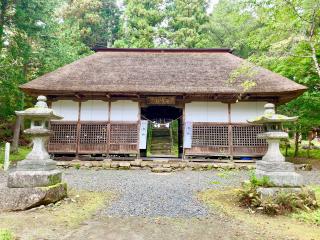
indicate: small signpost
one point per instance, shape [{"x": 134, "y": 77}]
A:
[{"x": 6, "y": 157}]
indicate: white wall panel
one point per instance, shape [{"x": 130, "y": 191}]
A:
[
  {"x": 94, "y": 110},
  {"x": 206, "y": 112},
  {"x": 124, "y": 110},
  {"x": 68, "y": 109},
  {"x": 243, "y": 111}
]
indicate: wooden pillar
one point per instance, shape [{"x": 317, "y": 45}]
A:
[
  {"x": 139, "y": 124},
  {"x": 230, "y": 141},
  {"x": 78, "y": 130},
  {"x": 183, "y": 126},
  {"x": 109, "y": 129}
]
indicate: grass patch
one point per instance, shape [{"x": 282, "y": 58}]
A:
[
  {"x": 280, "y": 227},
  {"x": 303, "y": 153},
  {"x": 226, "y": 174},
  {"x": 215, "y": 182},
  {"x": 86, "y": 203},
  {"x": 58, "y": 220},
  {"x": 20, "y": 155},
  {"x": 310, "y": 216},
  {"x": 6, "y": 234}
]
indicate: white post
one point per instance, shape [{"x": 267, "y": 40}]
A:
[{"x": 6, "y": 157}]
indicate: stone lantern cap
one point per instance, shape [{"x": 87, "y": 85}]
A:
[
  {"x": 39, "y": 111},
  {"x": 270, "y": 116}
]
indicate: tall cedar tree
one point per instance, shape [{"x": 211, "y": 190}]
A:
[
  {"x": 140, "y": 23},
  {"x": 98, "y": 21},
  {"x": 186, "y": 24}
]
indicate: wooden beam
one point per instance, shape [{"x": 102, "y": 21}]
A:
[
  {"x": 230, "y": 140},
  {"x": 78, "y": 129}
]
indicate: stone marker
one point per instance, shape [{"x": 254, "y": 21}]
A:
[
  {"x": 35, "y": 180},
  {"x": 6, "y": 157},
  {"x": 282, "y": 174}
]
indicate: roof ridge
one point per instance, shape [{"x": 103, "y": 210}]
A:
[{"x": 163, "y": 50}]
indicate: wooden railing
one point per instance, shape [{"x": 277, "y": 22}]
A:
[
  {"x": 94, "y": 137},
  {"x": 223, "y": 139}
]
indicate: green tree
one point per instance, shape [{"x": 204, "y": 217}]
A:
[
  {"x": 33, "y": 42},
  {"x": 231, "y": 25},
  {"x": 186, "y": 24},
  {"x": 140, "y": 23},
  {"x": 98, "y": 20}
]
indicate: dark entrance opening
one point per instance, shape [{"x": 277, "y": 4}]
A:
[{"x": 164, "y": 131}]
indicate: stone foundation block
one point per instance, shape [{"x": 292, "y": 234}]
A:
[
  {"x": 14, "y": 199},
  {"x": 27, "y": 179},
  {"x": 275, "y": 166},
  {"x": 136, "y": 163},
  {"x": 124, "y": 165},
  {"x": 161, "y": 170},
  {"x": 273, "y": 191},
  {"x": 282, "y": 179}
]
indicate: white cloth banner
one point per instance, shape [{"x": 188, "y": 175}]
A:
[
  {"x": 143, "y": 134},
  {"x": 187, "y": 138}
]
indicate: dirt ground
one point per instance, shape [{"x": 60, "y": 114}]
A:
[
  {"x": 83, "y": 215},
  {"x": 79, "y": 218}
]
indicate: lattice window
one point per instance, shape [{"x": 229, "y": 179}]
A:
[
  {"x": 123, "y": 133},
  {"x": 209, "y": 135},
  {"x": 63, "y": 133},
  {"x": 93, "y": 133},
  {"x": 247, "y": 136}
]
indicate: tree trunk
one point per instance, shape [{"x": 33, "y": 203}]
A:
[
  {"x": 308, "y": 150},
  {"x": 314, "y": 58},
  {"x": 16, "y": 135},
  {"x": 296, "y": 144},
  {"x": 3, "y": 9}
]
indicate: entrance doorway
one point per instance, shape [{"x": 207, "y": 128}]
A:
[{"x": 164, "y": 131}]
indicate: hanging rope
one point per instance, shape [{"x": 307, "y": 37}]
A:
[{"x": 156, "y": 124}]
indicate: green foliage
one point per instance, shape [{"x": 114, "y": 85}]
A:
[
  {"x": 260, "y": 182},
  {"x": 77, "y": 166},
  {"x": 149, "y": 139},
  {"x": 20, "y": 155},
  {"x": 310, "y": 216},
  {"x": 174, "y": 132},
  {"x": 140, "y": 22},
  {"x": 6, "y": 234},
  {"x": 280, "y": 204},
  {"x": 98, "y": 21},
  {"x": 187, "y": 24}
]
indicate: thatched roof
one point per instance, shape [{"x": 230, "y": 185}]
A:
[{"x": 159, "y": 71}]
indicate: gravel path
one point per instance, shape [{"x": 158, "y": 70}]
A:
[{"x": 142, "y": 193}]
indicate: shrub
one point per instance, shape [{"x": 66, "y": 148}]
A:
[
  {"x": 281, "y": 203},
  {"x": 5, "y": 234},
  {"x": 260, "y": 182},
  {"x": 77, "y": 166}
]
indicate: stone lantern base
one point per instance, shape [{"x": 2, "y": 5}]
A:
[
  {"x": 27, "y": 179},
  {"x": 14, "y": 199},
  {"x": 281, "y": 174}
]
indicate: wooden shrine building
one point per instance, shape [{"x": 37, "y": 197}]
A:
[{"x": 113, "y": 99}]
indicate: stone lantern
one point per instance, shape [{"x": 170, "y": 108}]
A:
[
  {"x": 35, "y": 180},
  {"x": 282, "y": 174}
]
